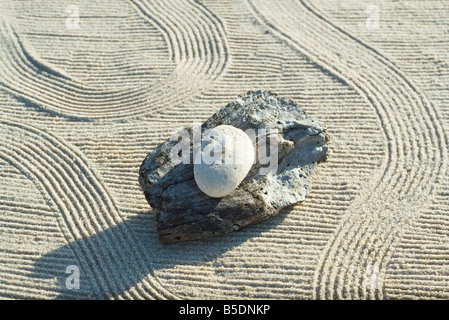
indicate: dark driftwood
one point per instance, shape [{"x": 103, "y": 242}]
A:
[{"x": 186, "y": 213}]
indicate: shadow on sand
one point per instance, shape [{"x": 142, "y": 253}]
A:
[{"x": 115, "y": 260}]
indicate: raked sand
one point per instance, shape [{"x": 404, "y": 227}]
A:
[{"x": 83, "y": 101}]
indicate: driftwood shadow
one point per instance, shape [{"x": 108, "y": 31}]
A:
[{"x": 108, "y": 269}]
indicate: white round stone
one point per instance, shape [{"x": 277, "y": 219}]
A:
[{"x": 224, "y": 160}]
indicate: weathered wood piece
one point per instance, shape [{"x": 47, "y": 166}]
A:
[{"x": 184, "y": 212}]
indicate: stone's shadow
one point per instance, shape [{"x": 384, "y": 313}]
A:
[{"x": 108, "y": 267}]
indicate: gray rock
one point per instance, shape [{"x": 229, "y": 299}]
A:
[{"x": 184, "y": 212}]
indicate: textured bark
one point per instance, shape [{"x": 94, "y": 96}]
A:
[{"x": 186, "y": 213}]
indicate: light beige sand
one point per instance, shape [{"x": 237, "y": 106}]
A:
[{"x": 81, "y": 107}]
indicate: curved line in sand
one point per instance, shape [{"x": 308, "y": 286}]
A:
[
  {"x": 387, "y": 89},
  {"x": 198, "y": 46},
  {"x": 62, "y": 174}
]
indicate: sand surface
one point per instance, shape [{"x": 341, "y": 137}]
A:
[{"x": 83, "y": 101}]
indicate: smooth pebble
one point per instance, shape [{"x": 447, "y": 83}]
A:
[{"x": 226, "y": 156}]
